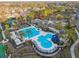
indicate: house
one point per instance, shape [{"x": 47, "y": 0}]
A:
[{"x": 15, "y": 40}]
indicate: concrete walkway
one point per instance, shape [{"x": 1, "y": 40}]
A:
[
  {"x": 73, "y": 46},
  {"x": 5, "y": 40},
  {"x": 44, "y": 54},
  {"x": 53, "y": 29}
]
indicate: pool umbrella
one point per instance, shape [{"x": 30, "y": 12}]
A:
[{"x": 55, "y": 39}]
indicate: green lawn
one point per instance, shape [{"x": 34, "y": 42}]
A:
[{"x": 2, "y": 51}]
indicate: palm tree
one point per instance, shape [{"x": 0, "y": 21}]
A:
[
  {"x": 28, "y": 18},
  {"x": 7, "y": 34}
]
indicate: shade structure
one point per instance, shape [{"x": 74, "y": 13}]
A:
[{"x": 55, "y": 38}]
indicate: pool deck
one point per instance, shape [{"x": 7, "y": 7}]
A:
[
  {"x": 45, "y": 54},
  {"x": 38, "y": 43},
  {"x": 35, "y": 37}
]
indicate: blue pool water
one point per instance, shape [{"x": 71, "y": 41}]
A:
[
  {"x": 30, "y": 32},
  {"x": 44, "y": 42}
]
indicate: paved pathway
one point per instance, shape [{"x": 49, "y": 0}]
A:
[
  {"x": 54, "y": 29},
  {"x": 46, "y": 55},
  {"x": 73, "y": 46}
]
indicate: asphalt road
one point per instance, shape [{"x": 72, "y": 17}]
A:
[{"x": 73, "y": 46}]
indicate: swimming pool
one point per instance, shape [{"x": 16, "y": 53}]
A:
[
  {"x": 45, "y": 43},
  {"x": 42, "y": 40},
  {"x": 30, "y": 32}
]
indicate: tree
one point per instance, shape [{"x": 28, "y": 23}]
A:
[
  {"x": 45, "y": 12},
  {"x": 52, "y": 5},
  {"x": 6, "y": 26},
  {"x": 70, "y": 33},
  {"x": 28, "y": 18},
  {"x": 60, "y": 8},
  {"x": 21, "y": 34},
  {"x": 20, "y": 18},
  {"x": 7, "y": 34},
  {"x": 32, "y": 14},
  {"x": 59, "y": 26},
  {"x": 68, "y": 14},
  {"x": 0, "y": 30},
  {"x": 59, "y": 16}
]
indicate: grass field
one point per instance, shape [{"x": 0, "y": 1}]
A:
[{"x": 2, "y": 51}]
